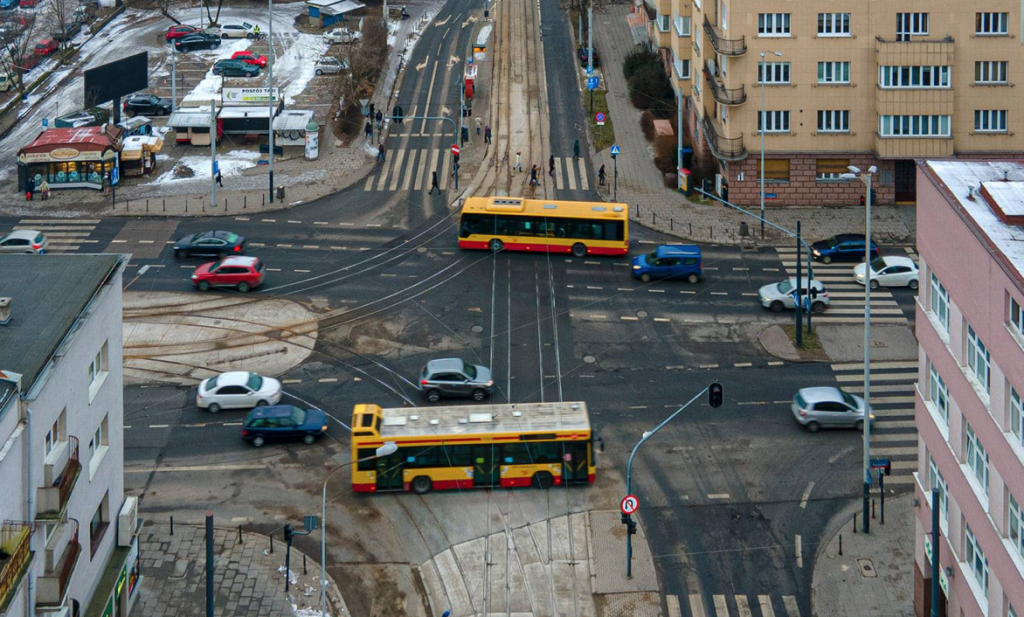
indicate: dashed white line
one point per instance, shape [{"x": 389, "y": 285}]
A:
[
  {"x": 296, "y": 222},
  {"x": 321, "y": 223},
  {"x": 593, "y": 287},
  {"x": 628, "y": 318},
  {"x": 275, "y": 220},
  {"x": 273, "y": 269},
  {"x": 748, "y": 293},
  {"x": 740, "y": 269},
  {"x": 799, "y": 552},
  {"x": 807, "y": 494},
  {"x": 742, "y": 364},
  {"x": 284, "y": 246},
  {"x": 303, "y": 271},
  {"x": 347, "y": 224},
  {"x": 776, "y": 363},
  {"x": 328, "y": 379},
  {"x": 159, "y": 425},
  {"x": 662, "y": 319},
  {"x": 638, "y": 407},
  {"x": 592, "y": 263},
  {"x": 241, "y": 218},
  {"x": 718, "y": 496},
  {"x": 291, "y": 381},
  {"x": 688, "y": 292},
  {"x": 719, "y": 293},
  {"x": 310, "y": 246},
  {"x": 708, "y": 366},
  {"x": 656, "y": 291}
]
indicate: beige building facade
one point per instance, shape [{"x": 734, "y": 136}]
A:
[{"x": 857, "y": 82}]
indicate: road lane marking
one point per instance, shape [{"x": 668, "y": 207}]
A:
[
  {"x": 807, "y": 494},
  {"x": 742, "y": 606},
  {"x": 696, "y": 605},
  {"x": 718, "y": 496},
  {"x": 295, "y": 222},
  {"x": 721, "y": 606},
  {"x": 719, "y": 293},
  {"x": 673, "y": 606},
  {"x": 291, "y": 381},
  {"x": 766, "y": 606},
  {"x": 662, "y": 319},
  {"x": 627, "y": 318},
  {"x": 799, "y": 552},
  {"x": 708, "y": 366},
  {"x": 656, "y": 291},
  {"x": 742, "y": 364},
  {"x": 269, "y": 220},
  {"x": 303, "y": 271},
  {"x": 776, "y": 363},
  {"x": 159, "y": 425},
  {"x": 792, "y": 609}
]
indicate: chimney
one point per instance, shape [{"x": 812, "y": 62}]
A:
[
  {"x": 1006, "y": 175},
  {"x": 5, "y": 311},
  {"x": 970, "y": 193}
]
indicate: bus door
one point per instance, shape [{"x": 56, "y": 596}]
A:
[
  {"x": 389, "y": 472},
  {"x": 574, "y": 462},
  {"x": 486, "y": 465}
]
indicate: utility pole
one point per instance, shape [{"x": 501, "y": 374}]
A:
[
  {"x": 209, "y": 564},
  {"x": 270, "y": 95},
  {"x": 174, "y": 77},
  {"x": 935, "y": 551},
  {"x": 867, "y": 350},
  {"x": 799, "y": 284},
  {"x": 590, "y": 41},
  {"x": 213, "y": 153}
]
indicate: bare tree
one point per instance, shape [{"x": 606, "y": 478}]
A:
[
  {"x": 165, "y": 9},
  {"x": 363, "y": 57},
  {"x": 214, "y": 20},
  {"x": 59, "y": 19},
  {"x": 17, "y": 56}
]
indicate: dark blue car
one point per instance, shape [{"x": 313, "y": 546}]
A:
[
  {"x": 283, "y": 423},
  {"x": 670, "y": 261},
  {"x": 844, "y": 247},
  {"x": 8, "y": 4}
]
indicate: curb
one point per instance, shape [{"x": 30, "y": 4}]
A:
[
  {"x": 799, "y": 360},
  {"x": 835, "y": 525}
]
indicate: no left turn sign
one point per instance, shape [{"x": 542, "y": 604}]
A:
[{"x": 629, "y": 504}]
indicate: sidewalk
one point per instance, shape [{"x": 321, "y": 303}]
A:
[
  {"x": 653, "y": 205},
  {"x": 874, "y": 577},
  {"x": 248, "y": 579}
]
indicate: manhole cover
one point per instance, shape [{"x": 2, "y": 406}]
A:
[
  {"x": 477, "y": 329},
  {"x": 589, "y": 359},
  {"x": 421, "y": 249},
  {"x": 867, "y": 568},
  {"x": 641, "y": 313}
]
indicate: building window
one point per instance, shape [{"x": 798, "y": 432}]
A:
[
  {"x": 830, "y": 169},
  {"x": 775, "y": 170},
  {"x": 913, "y": 76},
  {"x": 98, "y": 446},
  {"x": 834, "y": 121},
  {"x": 682, "y": 68},
  {"x": 833, "y": 24},
  {"x": 991, "y": 24},
  {"x": 723, "y": 113},
  {"x": 911, "y": 24},
  {"x": 913, "y": 126},
  {"x": 696, "y": 88},
  {"x": 938, "y": 482},
  {"x": 938, "y": 393},
  {"x": 940, "y": 303},
  {"x": 697, "y": 40},
  {"x": 1016, "y": 415},
  {"x": 773, "y": 121},
  {"x": 978, "y": 359},
  {"x": 833, "y": 72},
  {"x": 682, "y": 25},
  {"x": 97, "y": 371},
  {"x": 773, "y": 73},
  {"x": 976, "y": 559},
  {"x": 56, "y": 434},
  {"x": 990, "y": 120},
  {"x": 664, "y": 22},
  {"x": 990, "y": 72},
  {"x": 1016, "y": 526},
  {"x": 773, "y": 24},
  {"x": 1016, "y": 316},
  {"x": 723, "y": 11},
  {"x": 977, "y": 457},
  {"x": 98, "y": 525}
]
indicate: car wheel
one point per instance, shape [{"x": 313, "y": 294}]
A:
[
  {"x": 913, "y": 284},
  {"x": 258, "y": 442},
  {"x": 261, "y": 403},
  {"x": 178, "y": 254},
  {"x": 421, "y": 485},
  {"x": 645, "y": 277},
  {"x": 812, "y": 427},
  {"x": 579, "y": 250},
  {"x": 250, "y": 36},
  {"x": 309, "y": 440},
  {"x": 223, "y": 36},
  {"x": 496, "y": 245},
  {"x": 433, "y": 396},
  {"x": 826, "y": 259},
  {"x": 776, "y": 306},
  {"x": 818, "y": 307},
  {"x": 204, "y": 285},
  {"x": 479, "y": 395},
  {"x": 874, "y": 284},
  {"x": 693, "y": 279},
  {"x": 213, "y": 408},
  {"x": 859, "y": 426},
  {"x": 216, "y": 71},
  {"x": 243, "y": 287},
  {"x": 543, "y": 479},
  {"x": 319, "y": 72}
]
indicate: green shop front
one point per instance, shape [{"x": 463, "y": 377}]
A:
[
  {"x": 82, "y": 157},
  {"x": 118, "y": 588}
]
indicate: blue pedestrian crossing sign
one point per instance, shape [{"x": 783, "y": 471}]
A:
[
  {"x": 46, "y": 121},
  {"x": 592, "y": 83},
  {"x": 615, "y": 150},
  {"x": 115, "y": 176}
]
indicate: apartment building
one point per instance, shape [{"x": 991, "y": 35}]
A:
[
  {"x": 859, "y": 82},
  {"x": 68, "y": 537},
  {"x": 968, "y": 409}
]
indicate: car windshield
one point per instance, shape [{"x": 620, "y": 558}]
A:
[
  {"x": 651, "y": 257},
  {"x": 469, "y": 370},
  {"x": 39, "y": 239},
  {"x": 255, "y": 381},
  {"x": 800, "y": 401},
  {"x": 210, "y": 385},
  {"x": 298, "y": 416},
  {"x": 878, "y": 264},
  {"x": 831, "y": 241},
  {"x": 785, "y": 287},
  {"x": 849, "y": 400},
  {"x": 230, "y": 237}
]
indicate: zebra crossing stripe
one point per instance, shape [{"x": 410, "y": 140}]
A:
[
  {"x": 559, "y": 179},
  {"x": 384, "y": 172},
  {"x": 369, "y": 182},
  {"x": 742, "y": 606},
  {"x": 584, "y": 180},
  {"x": 721, "y": 607},
  {"x": 696, "y": 605},
  {"x": 421, "y": 171},
  {"x": 399, "y": 157},
  {"x": 570, "y": 175},
  {"x": 433, "y": 165},
  {"x": 673, "y": 606},
  {"x": 407, "y": 180},
  {"x": 766, "y": 606},
  {"x": 446, "y": 171},
  {"x": 791, "y": 607}
]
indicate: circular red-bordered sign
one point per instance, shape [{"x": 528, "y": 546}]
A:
[
  {"x": 455, "y": 150},
  {"x": 629, "y": 504}
]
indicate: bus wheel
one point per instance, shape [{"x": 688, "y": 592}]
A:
[
  {"x": 579, "y": 250},
  {"x": 421, "y": 485},
  {"x": 542, "y": 479},
  {"x": 496, "y": 245}
]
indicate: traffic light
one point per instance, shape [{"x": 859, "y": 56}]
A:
[
  {"x": 631, "y": 528},
  {"x": 716, "y": 394},
  {"x": 456, "y": 158},
  {"x": 813, "y": 292}
]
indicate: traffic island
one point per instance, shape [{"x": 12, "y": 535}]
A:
[{"x": 780, "y": 341}]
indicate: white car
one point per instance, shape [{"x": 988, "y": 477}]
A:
[
  {"x": 330, "y": 65},
  {"x": 237, "y": 390},
  {"x": 24, "y": 241},
  {"x": 779, "y": 296},
  {"x": 242, "y": 30},
  {"x": 342, "y": 35},
  {"x": 889, "y": 272}
]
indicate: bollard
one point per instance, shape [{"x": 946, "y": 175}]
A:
[
  {"x": 271, "y": 544},
  {"x": 172, "y": 525},
  {"x": 127, "y": 205},
  {"x": 654, "y": 218},
  {"x": 691, "y": 229},
  {"x": 186, "y": 205},
  {"x": 164, "y": 205},
  {"x": 240, "y": 535},
  {"x": 872, "y": 508},
  {"x": 671, "y": 224},
  {"x": 225, "y": 204},
  {"x": 711, "y": 230},
  {"x": 303, "y": 564},
  {"x": 147, "y": 205},
  {"x": 245, "y": 200},
  {"x": 264, "y": 199},
  {"x": 854, "y": 522},
  {"x": 840, "y": 544}
]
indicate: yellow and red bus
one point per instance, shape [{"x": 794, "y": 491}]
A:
[
  {"x": 463, "y": 447},
  {"x": 516, "y": 224}
]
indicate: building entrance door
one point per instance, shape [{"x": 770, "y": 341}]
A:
[{"x": 905, "y": 178}]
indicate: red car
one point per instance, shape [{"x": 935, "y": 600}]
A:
[
  {"x": 46, "y": 47},
  {"x": 25, "y": 4},
  {"x": 238, "y": 272},
  {"x": 250, "y": 58},
  {"x": 176, "y": 32}
]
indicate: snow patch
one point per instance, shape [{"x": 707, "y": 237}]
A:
[
  {"x": 231, "y": 164},
  {"x": 485, "y": 33}
]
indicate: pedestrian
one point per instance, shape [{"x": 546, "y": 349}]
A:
[
  {"x": 487, "y": 134},
  {"x": 381, "y": 153},
  {"x": 368, "y": 130},
  {"x": 519, "y": 161},
  {"x": 45, "y": 188},
  {"x": 601, "y": 175},
  {"x": 551, "y": 166},
  {"x": 533, "y": 176},
  {"x": 380, "y": 120},
  {"x": 433, "y": 185},
  {"x": 478, "y": 125},
  {"x": 576, "y": 150},
  {"x": 220, "y": 179}
]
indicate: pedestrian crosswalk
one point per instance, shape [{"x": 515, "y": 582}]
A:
[
  {"x": 846, "y": 296},
  {"x": 893, "y": 432},
  {"x": 410, "y": 169},
  {"x": 570, "y": 174},
  {"x": 733, "y": 605},
  {"x": 63, "y": 235}
]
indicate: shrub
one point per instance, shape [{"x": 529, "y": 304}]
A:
[
  {"x": 639, "y": 57},
  {"x": 647, "y": 125},
  {"x": 666, "y": 157},
  {"x": 651, "y": 88}
]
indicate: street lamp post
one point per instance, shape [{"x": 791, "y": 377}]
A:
[
  {"x": 764, "y": 76},
  {"x": 270, "y": 95},
  {"x": 387, "y": 449}
]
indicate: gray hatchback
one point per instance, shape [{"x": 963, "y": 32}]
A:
[
  {"x": 815, "y": 408},
  {"x": 452, "y": 377}
]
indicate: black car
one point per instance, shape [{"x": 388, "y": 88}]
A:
[
  {"x": 147, "y": 105},
  {"x": 283, "y": 423},
  {"x": 235, "y": 68},
  {"x": 842, "y": 247},
  {"x": 71, "y": 30},
  {"x": 212, "y": 243},
  {"x": 198, "y": 40},
  {"x": 582, "y": 54}
]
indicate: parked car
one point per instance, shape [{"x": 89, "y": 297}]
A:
[
  {"x": 46, "y": 47},
  {"x": 7, "y": 81},
  {"x": 82, "y": 14},
  {"x": 779, "y": 296},
  {"x": 237, "y": 390},
  {"x": 248, "y": 57},
  {"x": 675, "y": 261},
  {"x": 844, "y": 247},
  {"x": 582, "y": 54},
  {"x": 71, "y": 30},
  {"x": 147, "y": 105},
  {"x": 238, "y": 272},
  {"x": 283, "y": 423},
  {"x": 8, "y": 4},
  {"x": 453, "y": 377},
  {"x": 212, "y": 243},
  {"x": 889, "y": 272},
  {"x": 342, "y": 35},
  {"x": 27, "y": 4},
  {"x": 330, "y": 65},
  {"x": 243, "y": 30},
  {"x": 816, "y": 408},
  {"x": 235, "y": 68},
  {"x": 24, "y": 241},
  {"x": 180, "y": 30},
  {"x": 199, "y": 40}
]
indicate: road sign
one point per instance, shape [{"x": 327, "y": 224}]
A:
[
  {"x": 592, "y": 83},
  {"x": 46, "y": 121},
  {"x": 455, "y": 149},
  {"x": 771, "y": 195},
  {"x": 629, "y": 504},
  {"x": 590, "y": 71},
  {"x": 115, "y": 177},
  {"x": 599, "y": 118},
  {"x": 615, "y": 151}
]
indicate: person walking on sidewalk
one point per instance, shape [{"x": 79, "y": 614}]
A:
[
  {"x": 576, "y": 150},
  {"x": 519, "y": 161},
  {"x": 45, "y": 189},
  {"x": 220, "y": 179},
  {"x": 478, "y": 125},
  {"x": 533, "y": 176},
  {"x": 368, "y": 130},
  {"x": 381, "y": 153},
  {"x": 601, "y": 175},
  {"x": 433, "y": 185},
  {"x": 487, "y": 134},
  {"x": 551, "y": 165},
  {"x": 380, "y": 120}
]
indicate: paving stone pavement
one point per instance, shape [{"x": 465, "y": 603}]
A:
[
  {"x": 667, "y": 210},
  {"x": 248, "y": 579}
]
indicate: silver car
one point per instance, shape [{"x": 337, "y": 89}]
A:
[
  {"x": 816, "y": 408},
  {"x": 778, "y": 296},
  {"x": 330, "y": 65},
  {"x": 453, "y": 377},
  {"x": 24, "y": 241},
  {"x": 237, "y": 390}
]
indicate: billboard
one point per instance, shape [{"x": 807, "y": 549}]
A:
[
  {"x": 116, "y": 79},
  {"x": 231, "y": 96}
]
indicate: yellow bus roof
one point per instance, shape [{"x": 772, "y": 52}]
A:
[
  {"x": 484, "y": 419},
  {"x": 517, "y": 205}
]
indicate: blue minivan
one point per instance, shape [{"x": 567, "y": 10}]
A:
[{"x": 674, "y": 261}]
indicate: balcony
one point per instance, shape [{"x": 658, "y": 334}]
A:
[
  {"x": 61, "y": 555},
  {"x": 60, "y": 473},
  {"x": 724, "y": 148},
  {"x": 916, "y": 52},
  {"x": 725, "y": 96},
  {"x": 15, "y": 557},
  {"x": 913, "y": 147},
  {"x": 726, "y": 47}
]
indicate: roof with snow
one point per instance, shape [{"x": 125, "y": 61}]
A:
[
  {"x": 335, "y": 7},
  {"x": 84, "y": 138}
]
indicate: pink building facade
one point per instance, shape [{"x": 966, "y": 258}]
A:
[{"x": 968, "y": 408}]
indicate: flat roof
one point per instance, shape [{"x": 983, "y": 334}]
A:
[
  {"x": 293, "y": 120},
  {"x": 48, "y": 293},
  {"x": 480, "y": 419},
  {"x": 247, "y": 111},
  {"x": 190, "y": 118}
]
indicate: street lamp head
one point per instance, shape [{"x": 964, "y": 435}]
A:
[
  {"x": 853, "y": 168},
  {"x": 387, "y": 449},
  {"x": 848, "y": 176},
  {"x": 774, "y": 53},
  {"x": 778, "y": 54},
  {"x": 872, "y": 169}
]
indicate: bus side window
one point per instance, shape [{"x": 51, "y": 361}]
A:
[
  {"x": 613, "y": 230},
  {"x": 597, "y": 231},
  {"x": 454, "y": 456},
  {"x": 561, "y": 228},
  {"x": 545, "y": 452},
  {"x": 516, "y": 454},
  {"x": 369, "y": 465},
  {"x": 579, "y": 229}
]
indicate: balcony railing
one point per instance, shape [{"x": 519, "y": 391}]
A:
[
  {"x": 726, "y": 47},
  {"x": 725, "y": 96},
  {"x": 53, "y": 499},
  {"x": 15, "y": 540},
  {"x": 52, "y": 586},
  {"x": 725, "y": 148}
]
